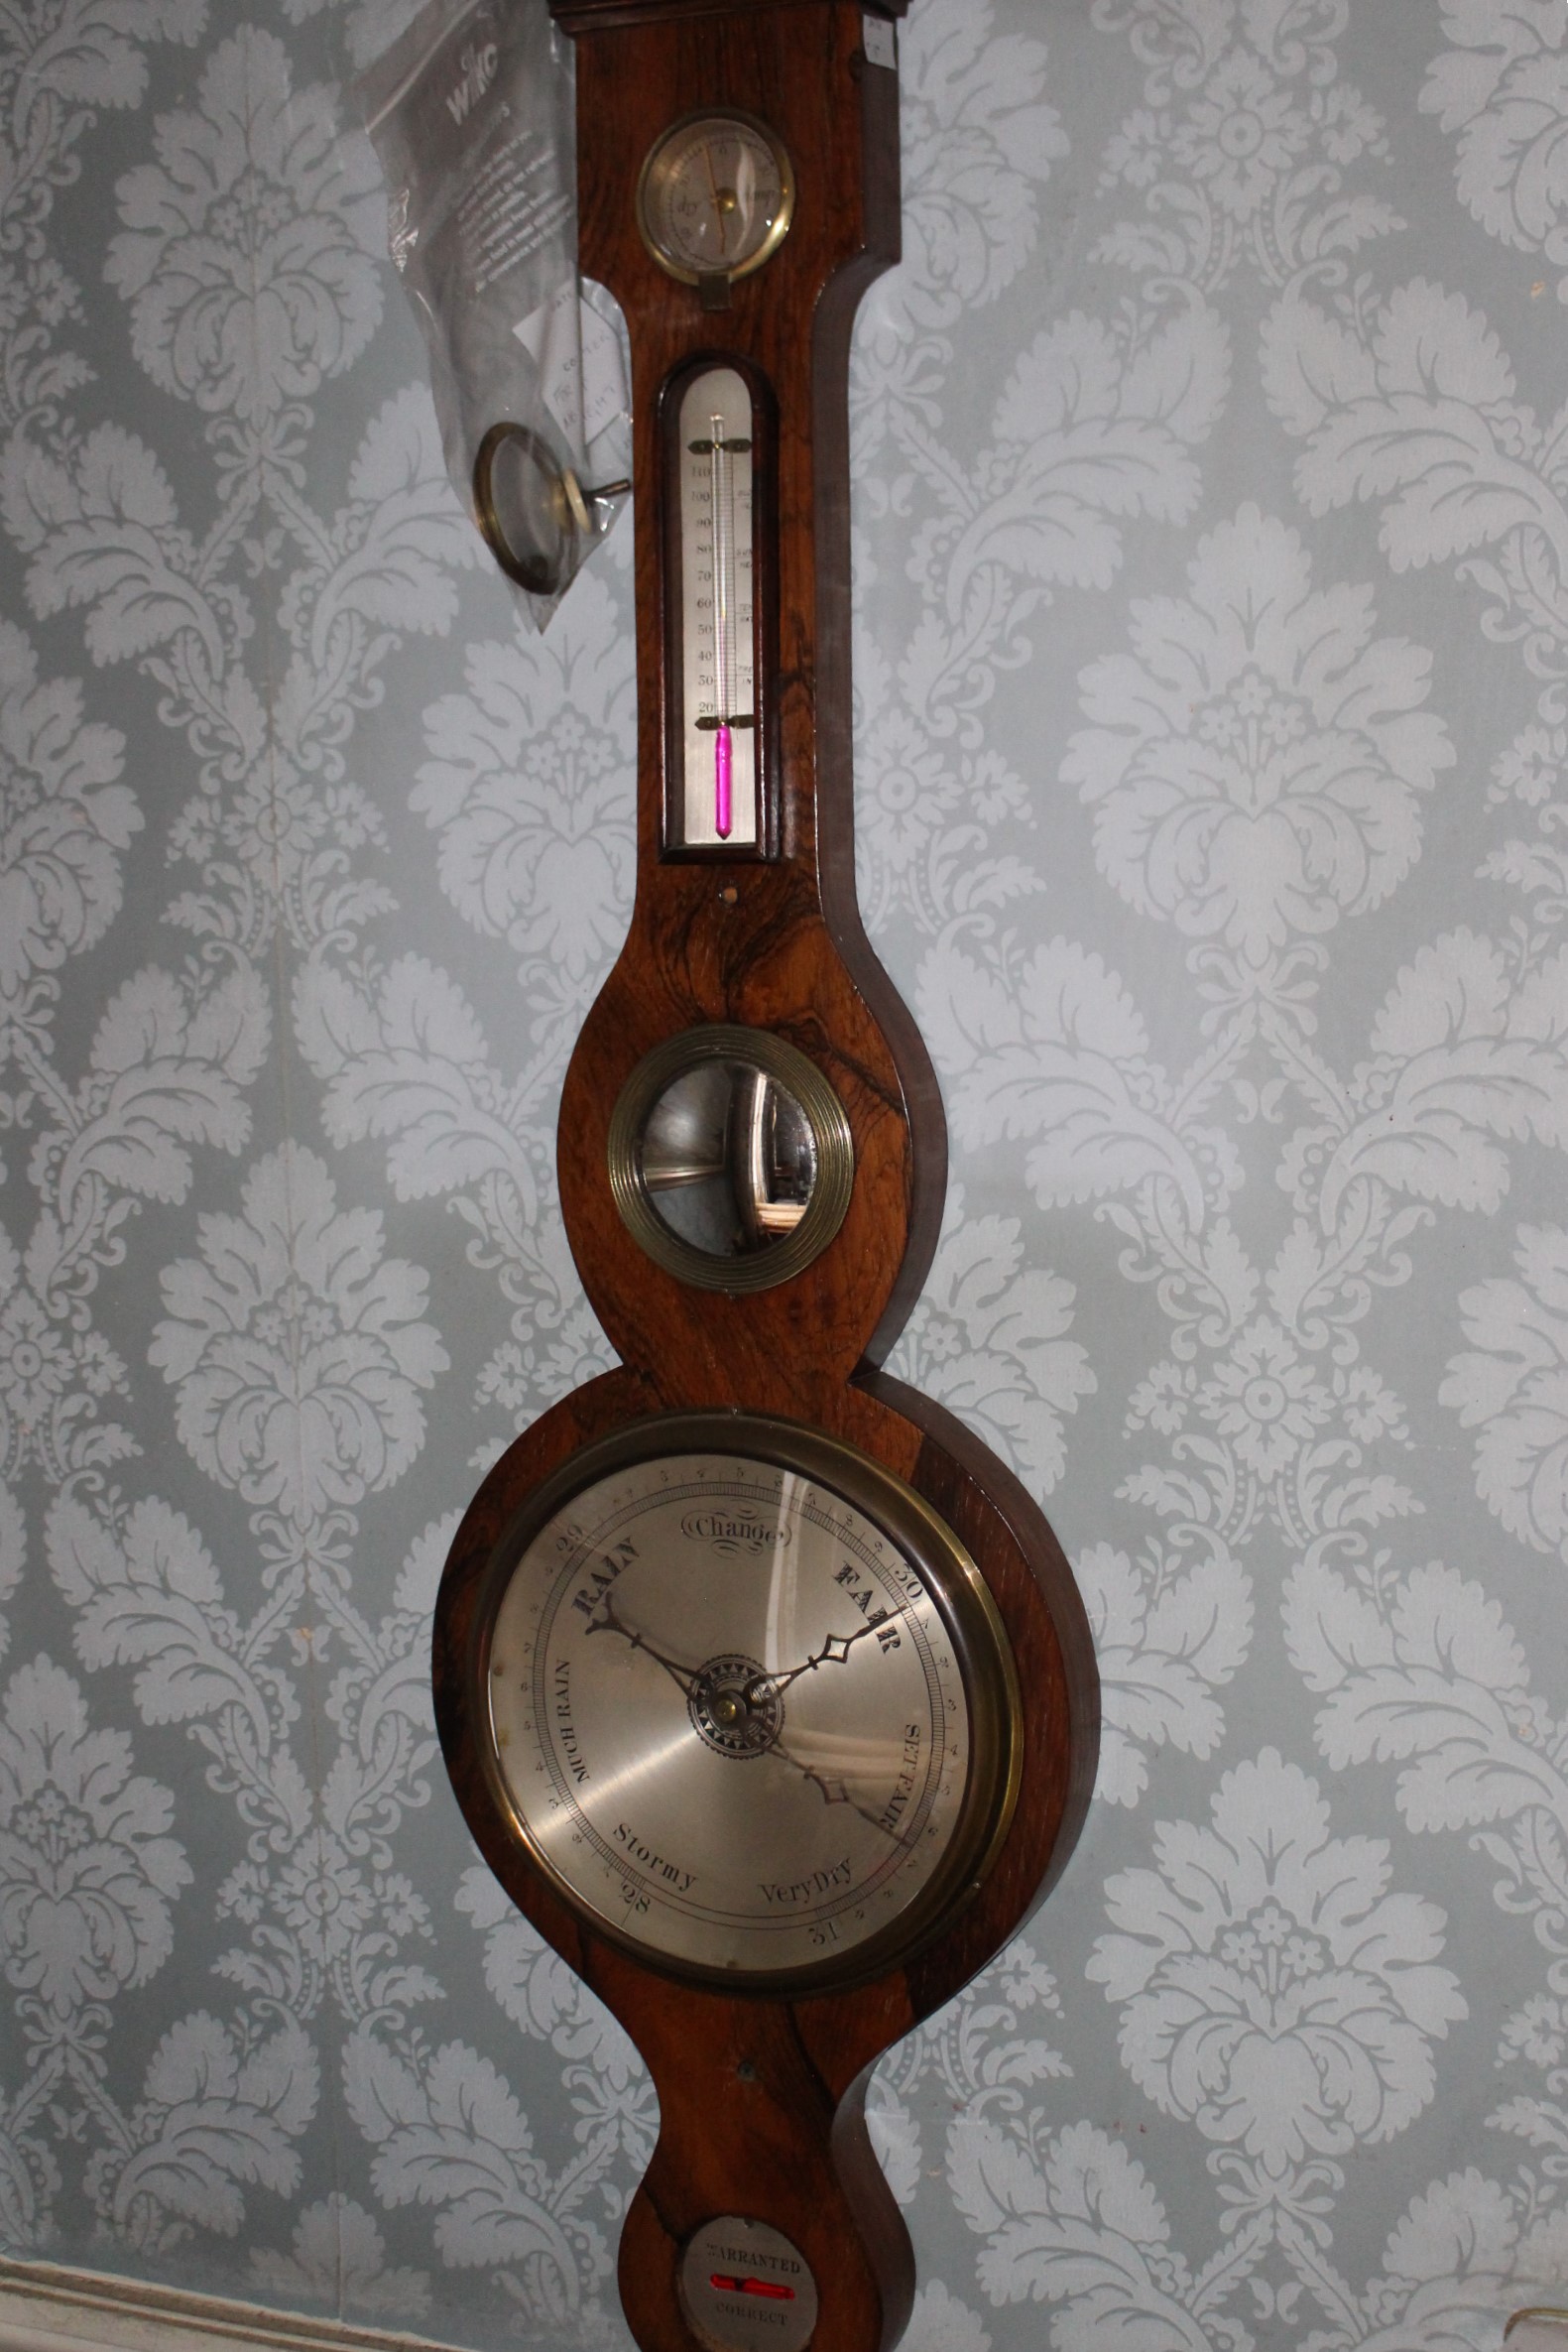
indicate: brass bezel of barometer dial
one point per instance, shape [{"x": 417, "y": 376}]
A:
[{"x": 955, "y": 1649}]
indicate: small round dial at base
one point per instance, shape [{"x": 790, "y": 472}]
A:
[
  {"x": 748, "y": 1701},
  {"x": 745, "y": 2287}
]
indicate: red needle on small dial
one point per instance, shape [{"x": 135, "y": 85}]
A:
[{"x": 718, "y": 199}]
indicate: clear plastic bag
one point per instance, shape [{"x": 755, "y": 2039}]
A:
[{"x": 471, "y": 113}]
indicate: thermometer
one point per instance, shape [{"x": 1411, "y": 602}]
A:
[
  {"x": 721, "y": 466},
  {"x": 715, "y": 802}
]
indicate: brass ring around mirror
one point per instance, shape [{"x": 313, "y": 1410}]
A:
[
  {"x": 730, "y": 1158},
  {"x": 533, "y": 529}
]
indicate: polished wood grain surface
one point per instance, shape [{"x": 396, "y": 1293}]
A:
[
  {"x": 761, "y": 2097},
  {"x": 777, "y": 945},
  {"x": 583, "y": 16}
]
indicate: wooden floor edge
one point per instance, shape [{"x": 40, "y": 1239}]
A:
[{"x": 47, "y": 2307}]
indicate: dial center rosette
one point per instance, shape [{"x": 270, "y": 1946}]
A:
[{"x": 735, "y": 1707}]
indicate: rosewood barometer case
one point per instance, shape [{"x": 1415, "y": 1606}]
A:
[{"x": 764, "y": 1687}]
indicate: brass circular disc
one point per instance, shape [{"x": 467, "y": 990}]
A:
[
  {"x": 776, "y": 1059},
  {"x": 542, "y": 574},
  {"x": 657, "y": 163},
  {"x": 962, "y": 1599}
]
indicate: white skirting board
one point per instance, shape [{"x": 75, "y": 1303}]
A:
[{"x": 46, "y": 2308}]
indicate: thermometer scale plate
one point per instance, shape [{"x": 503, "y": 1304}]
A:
[
  {"x": 716, "y": 441},
  {"x": 718, "y": 666}
]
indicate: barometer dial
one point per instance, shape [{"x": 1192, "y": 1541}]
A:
[{"x": 749, "y": 1702}]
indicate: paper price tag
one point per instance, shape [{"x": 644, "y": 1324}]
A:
[
  {"x": 879, "y": 42},
  {"x": 579, "y": 362}
]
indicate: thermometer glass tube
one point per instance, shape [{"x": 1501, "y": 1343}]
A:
[{"x": 717, "y": 764}]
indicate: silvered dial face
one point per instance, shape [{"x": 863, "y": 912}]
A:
[
  {"x": 734, "y": 1716},
  {"x": 715, "y": 197}
]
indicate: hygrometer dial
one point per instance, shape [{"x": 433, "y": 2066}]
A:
[
  {"x": 715, "y": 197},
  {"x": 747, "y": 1701}
]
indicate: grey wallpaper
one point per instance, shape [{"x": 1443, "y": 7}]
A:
[{"x": 1212, "y": 562}]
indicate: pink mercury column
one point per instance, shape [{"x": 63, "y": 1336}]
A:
[
  {"x": 722, "y": 816},
  {"x": 723, "y": 750}
]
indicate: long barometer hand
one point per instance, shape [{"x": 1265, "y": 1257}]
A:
[
  {"x": 834, "y": 1652},
  {"x": 607, "y": 1622},
  {"x": 830, "y": 1788}
]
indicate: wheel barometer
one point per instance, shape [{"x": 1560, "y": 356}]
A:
[{"x": 764, "y": 1687}]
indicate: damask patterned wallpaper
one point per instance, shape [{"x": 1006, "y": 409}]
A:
[{"x": 1212, "y": 556}]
